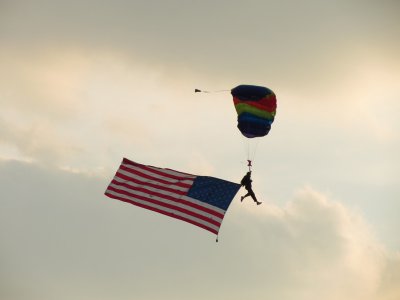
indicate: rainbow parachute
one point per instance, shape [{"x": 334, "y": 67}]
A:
[{"x": 256, "y": 109}]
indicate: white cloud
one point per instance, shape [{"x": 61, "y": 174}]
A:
[
  {"x": 61, "y": 106},
  {"x": 315, "y": 246},
  {"x": 389, "y": 289}
]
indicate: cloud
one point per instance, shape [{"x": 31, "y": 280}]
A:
[
  {"x": 62, "y": 105},
  {"x": 80, "y": 109},
  {"x": 389, "y": 289},
  {"x": 286, "y": 44},
  {"x": 313, "y": 248},
  {"x": 124, "y": 72},
  {"x": 37, "y": 141},
  {"x": 62, "y": 237}
]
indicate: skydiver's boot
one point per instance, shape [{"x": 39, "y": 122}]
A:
[{"x": 258, "y": 203}]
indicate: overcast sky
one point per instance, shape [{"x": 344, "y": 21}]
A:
[{"x": 85, "y": 83}]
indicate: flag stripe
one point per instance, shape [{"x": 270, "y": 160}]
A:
[
  {"x": 135, "y": 171},
  {"x": 168, "y": 196},
  {"x": 127, "y": 177},
  {"x": 170, "y": 213},
  {"x": 162, "y": 202},
  {"x": 137, "y": 185},
  {"x": 162, "y": 172}
]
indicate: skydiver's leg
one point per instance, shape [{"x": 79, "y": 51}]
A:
[
  {"x": 241, "y": 198},
  {"x": 251, "y": 193}
]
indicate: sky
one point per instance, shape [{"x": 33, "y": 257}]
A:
[{"x": 85, "y": 83}]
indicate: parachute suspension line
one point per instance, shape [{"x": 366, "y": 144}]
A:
[
  {"x": 249, "y": 156},
  {"x": 246, "y": 148},
  {"x": 251, "y": 146},
  {"x": 218, "y": 91},
  {"x": 255, "y": 146}
]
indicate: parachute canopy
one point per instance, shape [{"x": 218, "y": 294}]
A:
[{"x": 256, "y": 109}]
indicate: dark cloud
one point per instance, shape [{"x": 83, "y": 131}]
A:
[{"x": 275, "y": 41}]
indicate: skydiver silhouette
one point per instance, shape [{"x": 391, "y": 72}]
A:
[{"x": 246, "y": 182}]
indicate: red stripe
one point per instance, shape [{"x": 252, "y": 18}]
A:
[
  {"x": 167, "y": 205},
  {"x": 267, "y": 103},
  {"x": 140, "y": 174},
  {"x": 165, "y": 213},
  {"x": 159, "y": 171},
  {"x": 171, "y": 198},
  {"x": 145, "y": 190},
  {"x": 153, "y": 185}
]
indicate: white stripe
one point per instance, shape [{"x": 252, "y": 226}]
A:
[
  {"x": 147, "y": 194},
  {"x": 145, "y": 181},
  {"x": 168, "y": 210},
  {"x": 167, "y": 172},
  {"x": 158, "y": 189},
  {"x": 205, "y": 205},
  {"x": 172, "y": 172},
  {"x": 167, "y": 201}
]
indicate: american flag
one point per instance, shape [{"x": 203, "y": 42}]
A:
[{"x": 199, "y": 200}]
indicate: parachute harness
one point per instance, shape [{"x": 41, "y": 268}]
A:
[{"x": 249, "y": 164}]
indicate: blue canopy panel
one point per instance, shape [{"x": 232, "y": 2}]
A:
[
  {"x": 252, "y": 126},
  {"x": 250, "y": 92}
]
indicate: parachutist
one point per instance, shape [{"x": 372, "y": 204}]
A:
[{"x": 246, "y": 182}]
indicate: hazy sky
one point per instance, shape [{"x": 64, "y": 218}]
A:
[{"x": 85, "y": 83}]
